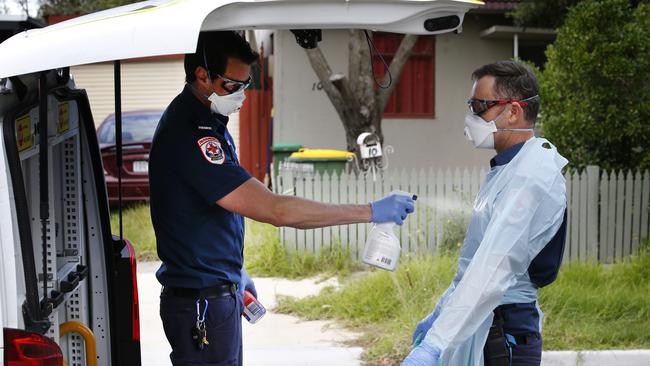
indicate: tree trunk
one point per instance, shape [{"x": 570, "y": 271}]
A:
[
  {"x": 357, "y": 101},
  {"x": 337, "y": 88}
]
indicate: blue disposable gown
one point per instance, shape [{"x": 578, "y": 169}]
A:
[{"x": 517, "y": 211}]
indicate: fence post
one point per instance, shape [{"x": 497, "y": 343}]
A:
[
  {"x": 301, "y": 235},
  {"x": 421, "y": 226},
  {"x": 604, "y": 250},
  {"x": 318, "y": 196},
  {"x": 636, "y": 215},
  {"x": 627, "y": 213},
  {"x": 611, "y": 215},
  {"x": 583, "y": 217},
  {"x": 328, "y": 182},
  {"x": 335, "y": 191},
  {"x": 277, "y": 189},
  {"x": 431, "y": 218},
  {"x": 620, "y": 207},
  {"x": 645, "y": 203},
  {"x": 344, "y": 233},
  {"x": 403, "y": 185},
  {"x": 575, "y": 216},
  {"x": 569, "y": 224},
  {"x": 359, "y": 235},
  {"x": 441, "y": 183},
  {"x": 593, "y": 180}
]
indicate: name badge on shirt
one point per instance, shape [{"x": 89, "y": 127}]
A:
[{"x": 212, "y": 150}]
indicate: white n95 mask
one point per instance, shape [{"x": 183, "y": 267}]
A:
[
  {"x": 227, "y": 104},
  {"x": 479, "y": 132}
]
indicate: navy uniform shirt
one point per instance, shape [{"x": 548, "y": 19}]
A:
[{"x": 192, "y": 165}]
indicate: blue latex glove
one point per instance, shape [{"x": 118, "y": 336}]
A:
[
  {"x": 246, "y": 283},
  {"x": 422, "y": 355},
  {"x": 394, "y": 207},
  {"x": 423, "y": 327}
]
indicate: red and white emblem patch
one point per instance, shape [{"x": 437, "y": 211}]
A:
[{"x": 211, "y": 150}]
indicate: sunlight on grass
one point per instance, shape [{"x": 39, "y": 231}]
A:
[
  {"x": 590, "y": 306},
  {"x": 265, "y": 256}
]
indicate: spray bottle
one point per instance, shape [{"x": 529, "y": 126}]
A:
[
  {"x": 253, "y": 309},
  {"x": 383, "y": 248}
]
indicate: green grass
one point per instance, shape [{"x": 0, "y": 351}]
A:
[
  {"x": 384, "y": 306},
  {"x": 264, "y": 254},
  {"x": 136, "y": 223},
  {"x": 590, "y": 306},
  {"x": 599, "y": 307}
]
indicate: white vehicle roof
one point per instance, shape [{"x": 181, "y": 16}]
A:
[{"x": 164, "y": 27}]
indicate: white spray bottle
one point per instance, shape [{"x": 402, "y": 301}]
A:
[{"x": 383, "y": 248}]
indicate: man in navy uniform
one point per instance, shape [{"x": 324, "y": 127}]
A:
[{"x": 199, "y": 196}]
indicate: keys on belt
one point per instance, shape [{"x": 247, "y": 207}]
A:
[
  {"x": 199, "y": 329},
  {"x": 199, "y": 332}
]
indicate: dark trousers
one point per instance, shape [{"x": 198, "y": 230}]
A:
[
  {"x": 223, "y": 325},
  {"x": 499, "y": 352},
  {"x": 516, "y": 345},
  {"x": 529, "y": 354}
]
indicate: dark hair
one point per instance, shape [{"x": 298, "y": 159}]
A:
[
  {"x": 218, "y": 47},
  {"x": 513, "y": 80}
]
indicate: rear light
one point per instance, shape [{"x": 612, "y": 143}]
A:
[
  {"x": 135, "y": 309},
  {"x": 30, "y": 349}
]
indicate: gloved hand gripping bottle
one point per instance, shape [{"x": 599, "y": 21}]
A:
[{"x": 383, "y": 248}]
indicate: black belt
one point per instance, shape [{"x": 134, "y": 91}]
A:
[{"x": 204, "y": 293}]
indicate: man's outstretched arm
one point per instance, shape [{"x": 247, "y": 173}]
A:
[{"x": 253, "y": 200}]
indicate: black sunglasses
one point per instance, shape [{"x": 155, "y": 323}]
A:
[{"x": 233, "y": 86}]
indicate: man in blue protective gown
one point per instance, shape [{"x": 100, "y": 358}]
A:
[
  {"x": 199, "y": 196},
  {"x": 515, "y": 239}
]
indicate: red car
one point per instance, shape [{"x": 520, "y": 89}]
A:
[{"x": 138, "y": 128}]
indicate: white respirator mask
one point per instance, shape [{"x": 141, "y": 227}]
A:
[
  {"x": 227, "y": 104},
  {"x": 481, "y": 133}
]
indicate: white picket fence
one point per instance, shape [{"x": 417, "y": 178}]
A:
[{"x": 608, "y": 211}]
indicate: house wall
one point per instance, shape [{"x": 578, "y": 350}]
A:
[
  {"x": 304, "y": 115},
  {"x": 150, "y": 84}
]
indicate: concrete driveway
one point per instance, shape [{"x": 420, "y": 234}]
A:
[{"x": 275, "y": 340}]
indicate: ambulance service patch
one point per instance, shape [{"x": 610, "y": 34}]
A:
[{"x": 211, "y": 149}]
